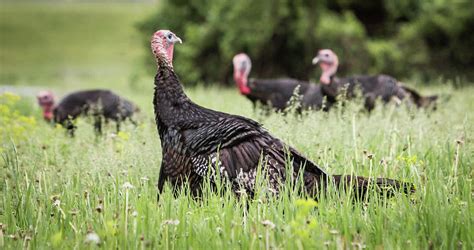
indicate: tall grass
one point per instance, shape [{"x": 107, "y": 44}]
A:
[{"x": 74, "y": 193}]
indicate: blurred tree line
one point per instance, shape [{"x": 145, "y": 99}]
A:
[{"x": 404, "y": 38}]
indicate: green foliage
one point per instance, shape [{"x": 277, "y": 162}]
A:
[
  {"x": 445, "y": 27},
  {"x": 402, "y": 38},
  {"x": 15, "y": 124}
]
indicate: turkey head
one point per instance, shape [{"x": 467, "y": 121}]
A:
[
  {"x": 328, "y": 62},
  {"x": 242, "y": 66},
  {"x": 46, "y": 102},
  {"x": 162, "y": 45}
]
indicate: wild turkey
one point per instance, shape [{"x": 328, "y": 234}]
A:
[
  {"x": 274, "y": 93},
  {"x": 101, "y": 104},
  {"x": 198, "y": 143},
  {"x": 372, "y": 87}
]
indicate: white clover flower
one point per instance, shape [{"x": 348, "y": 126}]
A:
[
  {"x": 268, "y": 223},
  {"x": 57, "y": 203},
  {"x": 92, "y": 238},
  {"x": 127, "y": 185}
]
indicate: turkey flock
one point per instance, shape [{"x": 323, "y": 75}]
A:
[
  {"x": 276, "y": 93},
  {"x": 202, "y": 145}
]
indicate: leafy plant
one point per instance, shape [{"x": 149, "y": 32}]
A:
[{"x": 14, "y": 126}]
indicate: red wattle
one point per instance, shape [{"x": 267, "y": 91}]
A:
[
  {"x": 47, "y": 111},
  {"x": 244, "y": 90},
  {"x": 48, "y": 115},
  {"x": 242, "y": 84}
]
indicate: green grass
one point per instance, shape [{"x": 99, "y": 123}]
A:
[
  {"x": 69, "y": 43},
  {"x": 55, "y": 190},
  {"x": 87, "y": 175}
]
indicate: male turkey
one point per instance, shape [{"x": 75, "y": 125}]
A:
[
  {"x": 372, "y": 87},
  {"x": 275, "y": 93},
  {"x": 101, "y": 104},
  {"x": 198, "y": 143}
]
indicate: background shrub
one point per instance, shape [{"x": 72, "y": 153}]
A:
[{"x": 426, "y": 38}]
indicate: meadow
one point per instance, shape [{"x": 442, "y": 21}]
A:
[{"x": 85, "y": 192}]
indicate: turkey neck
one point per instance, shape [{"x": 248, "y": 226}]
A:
[
  {"x": 48, "y": 112},
  {"x": 170, "y": 102},
  {"x": 331, "y": 90}
]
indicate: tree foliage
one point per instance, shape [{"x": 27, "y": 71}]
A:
[{"x": 402, "y": 38}]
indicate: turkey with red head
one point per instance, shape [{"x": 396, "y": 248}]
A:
[
  {"x": 372, "y": 87},
  {"x": 202, "y": 144},
  {"x": 274, "y": 93},
  {"x": 101, "y": 104}
]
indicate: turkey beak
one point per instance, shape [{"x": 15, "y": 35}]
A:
[
  {"x": 315, "y": 60},
  {"x": 176, "y": 39}
]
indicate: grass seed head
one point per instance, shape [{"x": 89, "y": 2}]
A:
[
  {"x": 170, "y": 222},
  {"x": 99, "y": 208},
  {"x": 74, "y": 212}
]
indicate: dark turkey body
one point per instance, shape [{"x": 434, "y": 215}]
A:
[
  {"x": 276, "y": 93},
  {"x": 372, "y": 87},
  {"x": 98, "y": 103},
  {"x": 375, "y": 87},
  {"x": 199, "y": 143}
]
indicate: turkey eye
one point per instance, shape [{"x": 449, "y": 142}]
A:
[{"x": 170, "y": 36}]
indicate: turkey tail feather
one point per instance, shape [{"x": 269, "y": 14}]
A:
[
  {"x": 362, "y": 185},
  {"x": 418, "y": 99}
]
